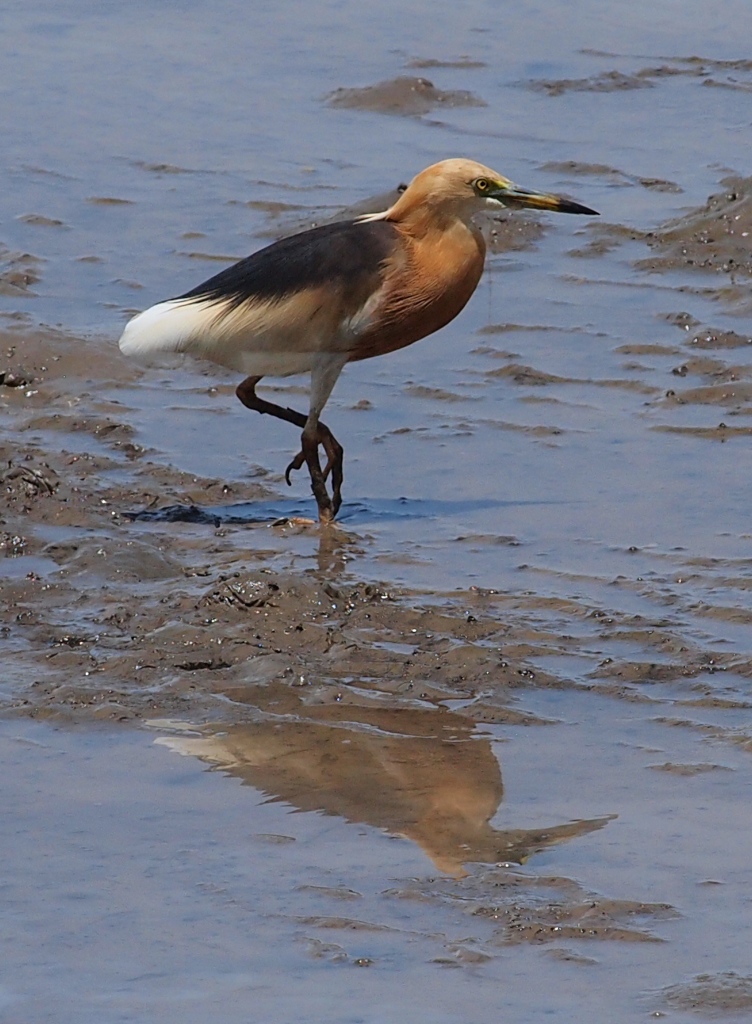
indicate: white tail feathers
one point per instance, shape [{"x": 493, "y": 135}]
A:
[
  {"x": 168, "y": 327},
  {"x": 257, "y": 339}
]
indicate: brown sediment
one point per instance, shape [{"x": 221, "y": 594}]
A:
[
  {"x": 611, "y": 174},
  {"x": 405, "y": 95},
  {"x": 548, "y": 909},
  {"x": 712, "y": 994},
  {"x": 124, "y": 620},
  {"x": 160, "y": 168},
  {"x": 720, "y": 433},
  {"x": 210, "y": 256},
  {"x": 442, "y": 395},
  {"x": 109, "y": 201},
  {"x": 605, "y": 81},
  {"x": 39, "y": 220},
  {"x": 720, "y": 339},
  {"x": 688, "y": 769},
  {"x": 434, "y": 62},
  {"x": 18, "y": 272},
  {"x": 714, "y": 238},
  {"x": 708, "y": 72},
  {"x": 528, "y": 375}
]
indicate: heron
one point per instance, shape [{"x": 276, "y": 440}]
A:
[{"x": 338, "y": 293}]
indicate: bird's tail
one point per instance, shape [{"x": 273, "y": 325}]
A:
[{"x": 168, "y": 327}]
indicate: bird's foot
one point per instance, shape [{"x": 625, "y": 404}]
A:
[
  {"x": 309, "y": 455},
  {"x": 328, "y": 507},
  {"x": 334, "y": 457}
]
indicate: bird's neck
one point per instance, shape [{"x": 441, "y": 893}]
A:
[
  {"x": 446, "y": 255},
  {"x": 424, "y": 223}
]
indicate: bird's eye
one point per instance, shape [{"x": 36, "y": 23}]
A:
[{"x": 481, "y": 185}]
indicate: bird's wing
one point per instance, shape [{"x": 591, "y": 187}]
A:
[
  {"x": 271, "y": 312},
  {"x": 346, "y": 254}
]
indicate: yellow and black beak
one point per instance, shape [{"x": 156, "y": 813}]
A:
[{"x": 517, "y": 198}]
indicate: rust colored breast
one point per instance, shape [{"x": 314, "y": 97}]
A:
[{"x": 427, "y": 282}]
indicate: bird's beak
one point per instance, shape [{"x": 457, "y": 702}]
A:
[{"x": 511, "y": 195}]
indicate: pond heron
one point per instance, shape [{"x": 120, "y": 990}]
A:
[{"x": 337, "y": 293}]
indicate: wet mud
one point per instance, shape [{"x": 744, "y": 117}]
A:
[
  {"x": 406, "y": 96},
  {"x": 19, "y": 271},
  {"x": 718, "y": 995},
  {"x": 723, "y": 74},
  {"x": 712, "y": 239}
]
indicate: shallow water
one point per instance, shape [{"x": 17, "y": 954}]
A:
[{"x": 550, "y": 499}]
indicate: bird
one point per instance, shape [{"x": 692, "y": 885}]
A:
[{"x": 338, "y": 293}]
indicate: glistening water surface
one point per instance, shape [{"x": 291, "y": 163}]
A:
[{"x": 535, "y": 614}]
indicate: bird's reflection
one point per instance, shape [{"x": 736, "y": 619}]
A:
[{"x": 422, "y": 773}]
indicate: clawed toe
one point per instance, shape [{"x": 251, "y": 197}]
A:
[
  {"x": 297, "y": 463},
  {"x": 309, "y": 455}
]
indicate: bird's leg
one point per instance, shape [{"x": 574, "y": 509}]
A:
[
  {"x": 318, "y": 434},
  {"x": 310, "y": 451},
  {"x": 334, "y": 463},
  {"x": 334, "y": 456},
  {"x": 325, "y": 370},
  {"x": 246, "y": 392}
]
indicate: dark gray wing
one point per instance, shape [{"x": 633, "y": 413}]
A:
[{"x": 343, "y": 253}]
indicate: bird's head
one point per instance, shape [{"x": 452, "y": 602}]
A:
[{"x": 461, "y": 188}]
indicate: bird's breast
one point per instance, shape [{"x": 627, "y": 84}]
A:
[{"x": 426, "y": 283}]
